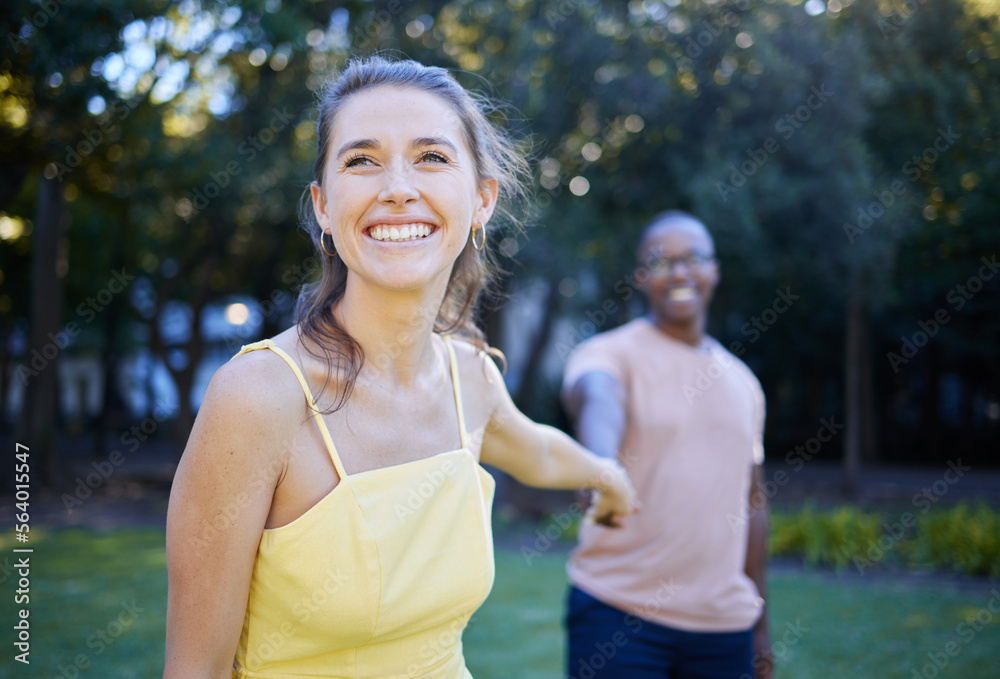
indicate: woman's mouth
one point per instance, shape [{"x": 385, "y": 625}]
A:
[{"x": 400, "y": 232}]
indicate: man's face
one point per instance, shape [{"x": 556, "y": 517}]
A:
[{"x": 682, "y": 273}]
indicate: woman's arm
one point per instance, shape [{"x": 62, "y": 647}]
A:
[
  {"x": 219, "y": 502},
  {"x": 544, "y": 457}
]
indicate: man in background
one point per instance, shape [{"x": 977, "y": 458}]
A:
[{"x": 679, "y": 590}]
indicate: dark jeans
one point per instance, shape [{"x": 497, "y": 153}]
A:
[{"x": 606, "y": 643}]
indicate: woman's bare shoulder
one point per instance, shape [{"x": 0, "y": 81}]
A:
[
  {"x": 256, "y": 387},
  {"x": 478, "y": 370}
]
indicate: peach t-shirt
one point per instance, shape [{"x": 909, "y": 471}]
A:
[{"x": 694, "y": 429}]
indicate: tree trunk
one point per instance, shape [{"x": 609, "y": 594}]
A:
[
  {"x": 35, "y": 425},
  {"x": 869, "y": 421},
  {"x": 853, "y": 405},
  {"x": 184, "y": 378},
  {"x": 931, "y": 435},
  {"x": 109, "y": 365}
]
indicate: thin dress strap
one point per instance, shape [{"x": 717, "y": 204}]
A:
[
  {"x": 456, "y": 383},
  {"x": 327, "y": 439}
]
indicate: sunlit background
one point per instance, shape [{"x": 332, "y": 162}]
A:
[
  {"x": 845, "y": 156},
  {"x": 172, "y": 141}
]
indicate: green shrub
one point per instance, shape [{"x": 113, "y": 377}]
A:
[
  {"x": 830, "y": 538},
  {"x": 964, "y": 539}
]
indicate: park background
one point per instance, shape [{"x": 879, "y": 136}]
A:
[{"x": 844, "y": 155}]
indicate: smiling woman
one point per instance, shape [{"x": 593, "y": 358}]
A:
[{"x": 290, "y": 555}]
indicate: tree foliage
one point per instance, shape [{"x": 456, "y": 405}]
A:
[{"x": 183, "y": 133}]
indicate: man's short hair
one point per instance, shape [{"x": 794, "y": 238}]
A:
[{"x": 668, "y": 217}]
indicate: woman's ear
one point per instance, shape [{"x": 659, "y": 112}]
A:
[
  {"x": 489, "y": 189},
  {"x": 319, "y": 207}
]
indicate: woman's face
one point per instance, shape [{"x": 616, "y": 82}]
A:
[{"x": 400, "y": 192}]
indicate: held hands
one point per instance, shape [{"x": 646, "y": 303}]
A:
[{"x": 614, "y": 498}]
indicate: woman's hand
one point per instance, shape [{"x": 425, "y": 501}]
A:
[{"x": 615, "y": 497}]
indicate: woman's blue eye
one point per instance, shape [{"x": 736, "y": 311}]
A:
[{"x": 436, "y": 157}]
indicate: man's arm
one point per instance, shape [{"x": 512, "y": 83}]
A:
[
  {"x": 596, "y": 403},
  {"x": 756, "y": 570}
]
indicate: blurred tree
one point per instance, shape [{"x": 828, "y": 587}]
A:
[
  {"x": 935, "y": 126},
  {"x": 767, "y": 120},
  {"x": 181, "y": 134},
  {"x": 47, "y": 96}
]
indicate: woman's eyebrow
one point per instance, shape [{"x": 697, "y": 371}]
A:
[
  {"x": 358, "y": 144},
  {"x": 433, "y": 141}
]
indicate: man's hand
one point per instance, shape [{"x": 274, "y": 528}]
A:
[{"x": 615, "y": 499}]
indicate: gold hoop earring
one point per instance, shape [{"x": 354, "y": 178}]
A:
[
  {"x": 475, "y": 228},
  {"x": 322, "y": 244}
]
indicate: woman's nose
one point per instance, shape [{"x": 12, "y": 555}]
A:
[{"x": 399, "y": 188}]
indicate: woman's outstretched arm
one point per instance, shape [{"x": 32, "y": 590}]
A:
[{"x": 542, "y": 456}]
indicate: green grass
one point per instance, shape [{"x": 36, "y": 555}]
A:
[
  {"x": 81, "y": 582},
  {"x": 874, "y": 626},
  {"x": 871, "y": 627}
]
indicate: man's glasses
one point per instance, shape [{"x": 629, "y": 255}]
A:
[{"x": 662, "y": 265}]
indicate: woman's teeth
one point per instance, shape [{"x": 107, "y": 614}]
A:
[
  {"x": 400, "y": 232},
  {"x": 682, "y": 294}
]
